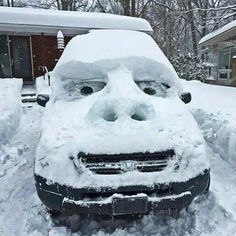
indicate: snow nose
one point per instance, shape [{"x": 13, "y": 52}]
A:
[
  {"x": 142, "y": 112},
  {"x": 110, "y": 111},
  {"x": 109, "y": 115}
]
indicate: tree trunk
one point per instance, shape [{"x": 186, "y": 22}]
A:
[
  {"x": 133, "y": 12},
  {"x": 126, "y": 6},
  {"x": 193, "y": 29}
]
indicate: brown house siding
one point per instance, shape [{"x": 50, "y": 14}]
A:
[{"x": 45, "y": 52}]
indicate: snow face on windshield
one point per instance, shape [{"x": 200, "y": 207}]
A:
[
  {"x": 76, "y": 80},
  {"x": 92, "y": 56}
]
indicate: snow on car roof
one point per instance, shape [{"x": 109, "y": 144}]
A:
[
  {"x": 230, "y": 28},
  {"x": 37, "y": 20},
  {"x": 99, "y": 51}
]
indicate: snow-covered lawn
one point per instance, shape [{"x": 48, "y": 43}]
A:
[
  {"x": 21, "y": 212},
  {"x": 10, "y": 107}
]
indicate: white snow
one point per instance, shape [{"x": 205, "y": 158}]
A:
[
  {"x": 214, "y": 109},
  {"x": 216, "y": 33},
  {"x": 10, "y": 107},
  {"x": 210, "y": 78},
  {"x": 23, "y": 214},
  {"x": 42, "y": 85},
  {"x": 99, "y": 51},
  {"x": 40, "y": 19}
]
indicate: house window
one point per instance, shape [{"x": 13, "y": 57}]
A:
[
  {"x": 224, "y": 58},
  {"x": 225, "y": 61},
  {"x": 5, "y": 71}
]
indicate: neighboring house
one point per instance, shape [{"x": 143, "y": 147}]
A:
[
  {"x": 28, "y": 37},
  {"x": 219, "y": 50}
]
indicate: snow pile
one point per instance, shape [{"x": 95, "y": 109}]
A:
[
  {"x": 10, "y": 107},
  {"x": 214, "y": 109},
  {"x": 104, "y": 122},
  {"x": 42, "y": 86},
  {"x": 228, "y": 27}
]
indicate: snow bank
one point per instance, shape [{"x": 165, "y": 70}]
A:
[
  {"x": 42, "y": 86},
  {"x": 214, "y": 109},
  {"x": 10, "y": 107}
]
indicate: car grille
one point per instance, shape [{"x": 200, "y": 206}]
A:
[{"x": 120, "y": 163}]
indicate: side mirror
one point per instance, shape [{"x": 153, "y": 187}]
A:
[
  {"x": 186, "y": 97},
  {"x": 42, "y": 99}
]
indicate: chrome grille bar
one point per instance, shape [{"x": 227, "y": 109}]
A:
[{"x": 120, "y": 163}]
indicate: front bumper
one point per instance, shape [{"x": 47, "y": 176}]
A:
[{"x": 160, "y": 197}]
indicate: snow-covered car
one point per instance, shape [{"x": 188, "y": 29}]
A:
[{"x": 117, "y": 137}]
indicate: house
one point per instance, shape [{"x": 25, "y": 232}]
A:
[
  {"x": 219, "y": 50},
  {"x": 31, "y": 39}
]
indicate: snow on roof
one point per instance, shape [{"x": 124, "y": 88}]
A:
[
  {"x": 90, "y": 55},
  {"x": 50, "y": 21},
  {"x": 100, "y": 45},
  {"x": 229, "y": 28}
]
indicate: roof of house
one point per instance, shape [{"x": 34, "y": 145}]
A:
[
  {"x": 69, "y": 22},
  {"x": 219, "y": 35}
]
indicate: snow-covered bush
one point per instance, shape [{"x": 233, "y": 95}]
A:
[
  {"x": 10, "y": 107},
  {"x": 187, "y": 68}
]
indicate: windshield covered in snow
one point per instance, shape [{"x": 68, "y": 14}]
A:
[{"x": 87, "y": 60}]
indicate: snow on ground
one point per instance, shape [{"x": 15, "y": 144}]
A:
[
  {"x": 214, "y": 109},
  {"x": 21, "y": 212},
  {"x": 10, "y": 106}
]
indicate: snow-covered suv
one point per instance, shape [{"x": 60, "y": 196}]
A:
[{"x": 117, "y": 137}]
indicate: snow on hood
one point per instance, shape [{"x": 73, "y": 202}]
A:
[{"x": 103, "y": 123}]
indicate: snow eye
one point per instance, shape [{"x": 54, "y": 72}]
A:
[
  {"x": 149, "y": 91},
  {"x": 153, "y": 88},
  {"x": 77, "y": 89},
  {"x": 86, "y": 90}
]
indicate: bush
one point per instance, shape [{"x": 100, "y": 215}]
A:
[{"x": 189, "y": 68}]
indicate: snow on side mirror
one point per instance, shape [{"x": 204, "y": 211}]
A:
[
  {"x": 186, "y": 97},
  {"x": 42, "y": 99}
]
